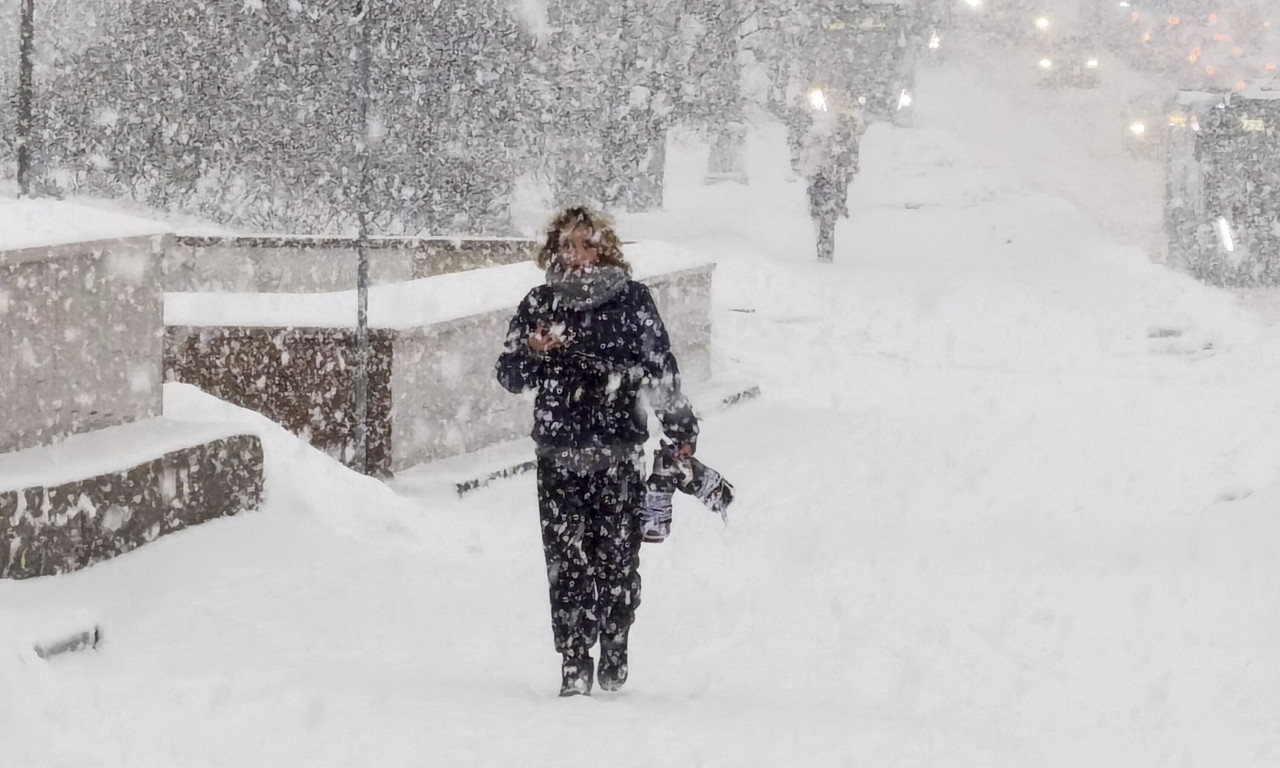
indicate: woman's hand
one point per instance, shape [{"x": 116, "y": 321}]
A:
[{"x": 543, "y": 340}]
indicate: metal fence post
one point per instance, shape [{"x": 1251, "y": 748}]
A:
[{"x": 361, "y": 455}]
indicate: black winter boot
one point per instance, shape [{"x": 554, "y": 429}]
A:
[
  {"x": 613, "y": 663},
  {"x": 576, "y": 673}
]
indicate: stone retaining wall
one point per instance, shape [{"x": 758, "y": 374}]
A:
[
  {"x": 48, "y": 530},
  {"x": 301, "y": 378}
]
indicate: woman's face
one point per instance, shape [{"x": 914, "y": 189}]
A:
[{"x": 578, "y": 248}]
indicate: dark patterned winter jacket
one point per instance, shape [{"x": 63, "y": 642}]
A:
[{"x": 589, "y": 390}]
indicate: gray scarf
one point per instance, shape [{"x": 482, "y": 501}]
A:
[{"x": 588, "y": 288}]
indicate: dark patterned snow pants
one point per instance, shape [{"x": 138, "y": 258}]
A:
[{"x": 591, "y": 540}]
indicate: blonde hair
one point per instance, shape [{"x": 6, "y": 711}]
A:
[{"x": 600, "y": 227}]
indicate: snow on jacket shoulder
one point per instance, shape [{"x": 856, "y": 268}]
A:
[{"x": 588, "y": 392}]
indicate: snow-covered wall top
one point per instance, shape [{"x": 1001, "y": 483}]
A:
[
  {"x": 399, "y": 305},
  {"x": 35, "y": 223},
  {"x": 104, "y": 451}
]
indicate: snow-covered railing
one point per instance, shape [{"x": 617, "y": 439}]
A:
[
  {"x": 304, "y": 264},
  {"x": 434, "y": 341}
]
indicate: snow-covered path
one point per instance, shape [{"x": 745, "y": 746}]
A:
[{"x": 1008, "y": 499}]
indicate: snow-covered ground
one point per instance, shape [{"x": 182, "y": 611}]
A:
[{"x": 1008, "y": 499}]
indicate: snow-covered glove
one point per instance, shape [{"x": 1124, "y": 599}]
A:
[
  {"x": 695, "y": 478},
  {"x": 710, "y": 488}
]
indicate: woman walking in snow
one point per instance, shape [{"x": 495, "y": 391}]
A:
[{"x": 590, "y": 341}]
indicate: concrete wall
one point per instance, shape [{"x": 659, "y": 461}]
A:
[
  {"x": 438, "y": 256},
  {"x": 684, "y": 300},
  {"x": 81, "y": 338},
  {"x": 445, "y": 398},
  {"x": 321, "y": 264}
]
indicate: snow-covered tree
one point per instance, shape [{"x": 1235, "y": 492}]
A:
[{"x": 247, "y": 112}]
